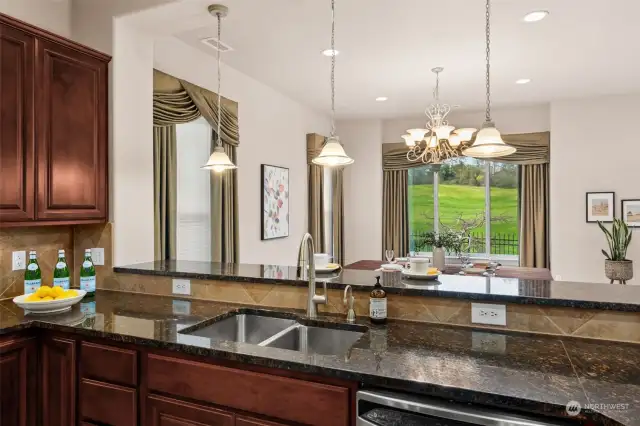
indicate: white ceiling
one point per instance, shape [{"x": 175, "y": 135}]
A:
[{"x": 387, "y": 47}]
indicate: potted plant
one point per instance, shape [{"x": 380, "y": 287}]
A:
[
  {"x": 616, "y": 266},
  {"x": 441, "y": 241}
]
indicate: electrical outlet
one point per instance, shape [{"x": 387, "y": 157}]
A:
[
  {"x": 97, "y": 255},
  {"x": 488, "y": 342},
  {"x": 485, "y": 313},
  {"x": 19, "y": 260},
  {"x": 181, "y": 307},
  {"x": 182, "y": 287}
]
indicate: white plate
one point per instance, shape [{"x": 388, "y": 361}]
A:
[
  {"x": 392, "y": 266},
  {"x": 49, "y": 306},
  {"x": 407, "y": 273}
]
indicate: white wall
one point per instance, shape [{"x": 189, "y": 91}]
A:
[
  {"x": 131, "y": 160},
  {"x": 584, "y": 160},
  {"x": 362, "y": 189},
  {"x": 54, "y": 16}
]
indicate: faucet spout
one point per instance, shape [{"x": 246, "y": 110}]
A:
[{"x": 305, "y": 255}]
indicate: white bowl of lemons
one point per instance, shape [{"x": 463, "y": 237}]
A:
[{"x": 48, "y": 300}]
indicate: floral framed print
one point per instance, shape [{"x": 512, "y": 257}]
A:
[
  {"x": 631, "y": 213},
  {"x": 274, "y": 184},
  {"x": 600, "y": 207}
]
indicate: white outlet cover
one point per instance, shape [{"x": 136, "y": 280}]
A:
[
  {"x": 97, "y": 255},
  {"x": 182, "y": 287},
  {"x": 19, "y": 260},
  {"x": 488, "y": 342},
  {"x": 486, "y": 313},
  {"x": 181, "y": 307}
]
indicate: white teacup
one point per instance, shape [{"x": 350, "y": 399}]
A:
[
  {"x": 321, "y": 260},
  {"x": 419, "y": 265}
]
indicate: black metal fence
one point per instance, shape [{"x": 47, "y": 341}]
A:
[{"x": 501, "y": 243}]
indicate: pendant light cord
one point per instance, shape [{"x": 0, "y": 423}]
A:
[
  {"x": 219, "y": 79},
  {"x": 333, "y": 68},
  {"x": 488, "y": 39}
]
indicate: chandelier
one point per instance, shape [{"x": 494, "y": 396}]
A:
[{"x": 438, "y": 141}]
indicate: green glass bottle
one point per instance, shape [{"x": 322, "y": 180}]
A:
[
  {"x": 32, "y": 275},
  {"x": 88, "y": 274},
  {"x": 61, "y": 272}
]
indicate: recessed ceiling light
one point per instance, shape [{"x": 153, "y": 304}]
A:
[
  {"x": 381, "y": 98},
  {"x": 523, "y": 81},
  {"x": 330, "y": 52},
  {"x": 535, "y": 16}
]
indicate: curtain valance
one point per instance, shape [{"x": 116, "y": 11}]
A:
[
  {"x": 177, "y": 101},
  {"x": 314, "y": 146},
  {"x": 532, "y": 148}
]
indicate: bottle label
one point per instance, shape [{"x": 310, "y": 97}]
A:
[
  {"x": 88, "y": 308},
  {"x": 378, "y": 308},
  {"x": 88, "y": 284},
  {"x": 60, "y": 265},
  {"x": 31, "y": 286},
  {"x": 32, "y": 266},
  {"x": 87, "y": 264},
  {"x": 61, "y": 282}
]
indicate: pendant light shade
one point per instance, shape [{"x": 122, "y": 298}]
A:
[
  {"x": 489, "y": 144},
  {"x": 332, "y": 154},
  {"x": 219, "y": 161}
]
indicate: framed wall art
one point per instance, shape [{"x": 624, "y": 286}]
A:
[
  {"x": 274, "y": 184},
  {"x": 631, "y": 213},
  {"x": 600, "y": 207}
]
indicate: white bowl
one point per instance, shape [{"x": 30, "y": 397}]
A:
[
  {"x": 392, "y": 267},
  {"x": 48, "y": 306}
]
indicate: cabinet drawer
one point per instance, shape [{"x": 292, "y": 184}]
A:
[
  {"x": 107, "y": 403},
  {"x": 274, "y": 396},
  {"x": 109, "y": 364},
  {"x": 162, "y": 411}
]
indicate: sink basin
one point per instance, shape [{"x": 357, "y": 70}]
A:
[
  {"x": 246, "y": 328},
  {"x": 316, "y": 340}
]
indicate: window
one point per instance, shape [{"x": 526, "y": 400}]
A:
[
  {"x": 462, "y": 186},
  {"x": 193, "y": 222}
]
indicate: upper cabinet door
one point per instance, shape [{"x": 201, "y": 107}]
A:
[
  {"x": 71, "y": 134},
  {"x": 17, "y": 172}
]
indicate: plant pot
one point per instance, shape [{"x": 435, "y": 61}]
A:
[
  {"x": 438, "y": 258},
  {"x": 620, "y": 270}
]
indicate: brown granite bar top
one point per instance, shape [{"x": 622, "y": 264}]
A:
[
  {"x": 525, "y": 373},
  {"x": 613, "y": 297}
]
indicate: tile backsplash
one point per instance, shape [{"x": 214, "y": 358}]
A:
[{"x": 46, "y": 241}]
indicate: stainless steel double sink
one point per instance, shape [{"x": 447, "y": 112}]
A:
[{"x": 283, "y": 333}]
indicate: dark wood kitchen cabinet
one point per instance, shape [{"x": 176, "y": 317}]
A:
[
  {"x": 249, "y": 421},
  {"x": 162, "y": 411},
  {"x": 53, "y": 128},
  {"x": 18, "y": 381},
  {"x": 58, "y": 381}
]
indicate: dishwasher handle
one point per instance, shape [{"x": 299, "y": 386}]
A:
[{"x": 450, "y": 411}]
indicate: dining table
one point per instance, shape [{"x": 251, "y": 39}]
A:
[{"x": 477, "y": 269}]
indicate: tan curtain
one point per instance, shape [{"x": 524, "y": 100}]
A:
[
  {"x": 315, "y": 202},
  {"x": 532, "y": 148},
  {"x": 394, "y": 157},
  {"x": 224, "y": 211},
  {"x": 177, "y": 101},
  {"x": 337, "y": 178},
  {"x": 534, "y": 214},
  {"x": 395, "y": 216},
  {"x": 165, "y": 183}
]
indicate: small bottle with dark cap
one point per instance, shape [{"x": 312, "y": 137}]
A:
[{"x": 378, "y": 304}]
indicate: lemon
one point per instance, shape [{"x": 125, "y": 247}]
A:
[
  {"x": 44, "y": 291},
  {"x": 58, "y": 291},
  {"x": 33, "y": 297},
  {"x": 46, "y": 298},
  {"x": 70, "y": 293}
]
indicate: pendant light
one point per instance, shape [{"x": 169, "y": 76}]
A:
[
  {"x": 219, "y": 161},
  {"x": 488, "y": 143},
  {"x": 333, "y": 153}
]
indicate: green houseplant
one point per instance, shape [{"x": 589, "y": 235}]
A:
[{"x": 616, "y": 265}]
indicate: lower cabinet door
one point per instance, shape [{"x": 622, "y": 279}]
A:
[
  {"x": 163, "y": 411},
  {"x": 58, "y": 387},
  {"x": 250, "y": 421},
  {"x": 106, "y": 403},
  {"x": 18, "y": 374}
]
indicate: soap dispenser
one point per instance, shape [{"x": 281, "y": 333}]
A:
[{"x": 378, "y": 304}]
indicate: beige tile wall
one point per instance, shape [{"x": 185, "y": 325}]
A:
[{"x": 607, "y": 325}]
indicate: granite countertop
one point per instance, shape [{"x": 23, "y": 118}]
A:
[
  {"x": 492, "y": 289},
  {"x": 526, "y": 372}
]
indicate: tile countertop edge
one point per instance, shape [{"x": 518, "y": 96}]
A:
[
  {"x": 365, "y": 379},
  {"x": 425, "y": 292}
]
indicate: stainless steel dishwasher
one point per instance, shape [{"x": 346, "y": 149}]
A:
[{"x": 384, "y": 408}]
